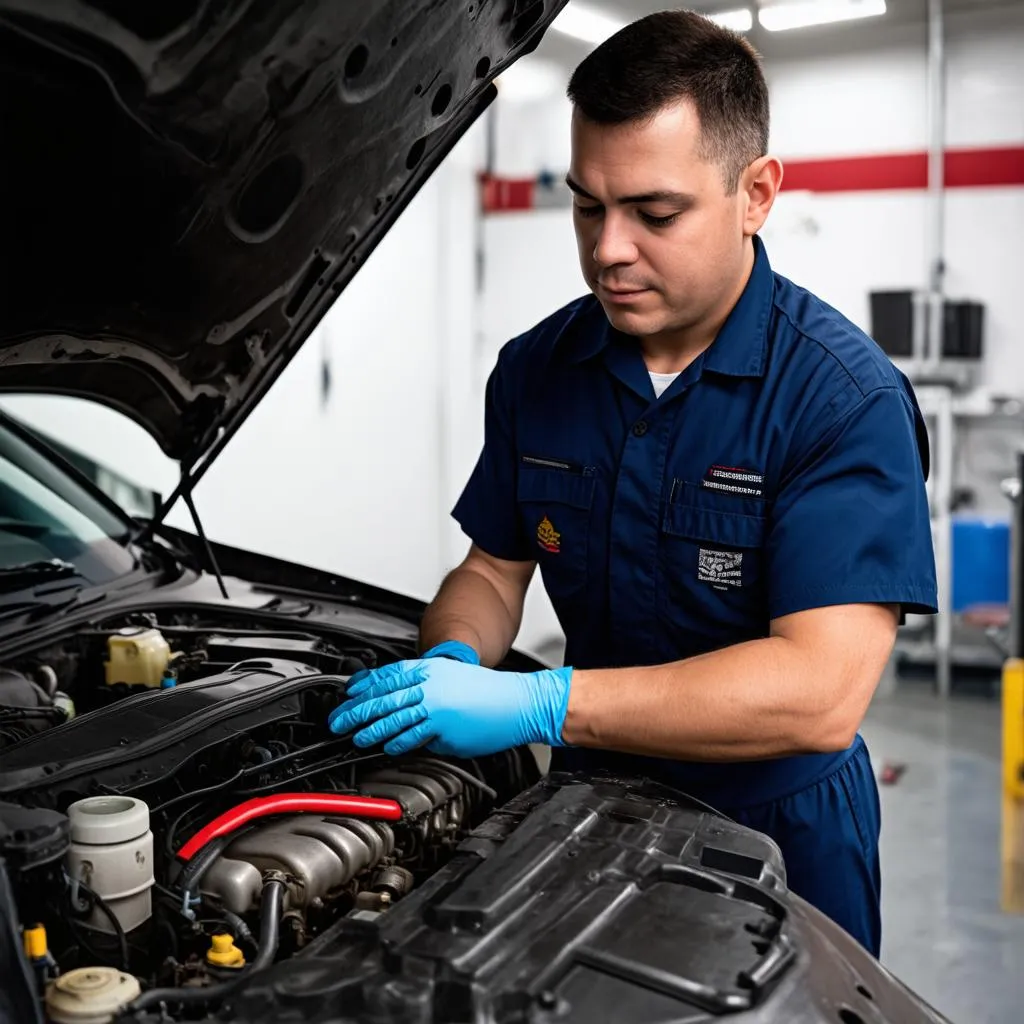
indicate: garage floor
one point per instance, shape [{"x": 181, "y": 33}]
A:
[{"x": 943, "y": 932}]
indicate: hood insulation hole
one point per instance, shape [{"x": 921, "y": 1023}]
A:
[
  {"x": 416, "y": 151},
  {"x": 357, "y": 60},
  {"x": 268, "y": 198},
  {"x": 442, "y": 98}
]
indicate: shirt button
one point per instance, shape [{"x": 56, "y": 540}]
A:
[{"x": 639, "y": 429}]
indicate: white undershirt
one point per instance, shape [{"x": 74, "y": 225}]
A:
[{"x": 661, "y": 381}]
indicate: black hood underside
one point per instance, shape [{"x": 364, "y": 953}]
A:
[{"x": 189, "y": 185}]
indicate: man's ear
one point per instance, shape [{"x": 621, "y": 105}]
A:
[{"x": 760, "y": 184}]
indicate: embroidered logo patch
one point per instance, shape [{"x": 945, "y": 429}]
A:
[
  {"x": 734, "y": 480},
  {"x": 548, "y": 537},
  {"x": 720, "y": 568}
]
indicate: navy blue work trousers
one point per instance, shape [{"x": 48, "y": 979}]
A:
[{"x": 828, "y": 834}]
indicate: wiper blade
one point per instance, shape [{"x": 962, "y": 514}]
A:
[
  {"x": 43, "y": 606},
  {"x": 13, "y": 577}
]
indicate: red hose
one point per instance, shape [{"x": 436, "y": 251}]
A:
[{"x": 291, "y": 803}]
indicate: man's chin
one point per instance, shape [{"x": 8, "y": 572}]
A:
[{"x": 631, "y": 321}]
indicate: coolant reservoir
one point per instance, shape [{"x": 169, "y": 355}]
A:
[
  {"x": 90, "y": 995},
  {"x": 112, "y": 852},
  {"x": 137, "y": 656}
]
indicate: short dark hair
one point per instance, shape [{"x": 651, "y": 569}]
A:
[{"x": 674, "y": 55}]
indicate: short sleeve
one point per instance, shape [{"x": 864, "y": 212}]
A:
[
  {"x": 486, "y": 509},
  {"x": 851, "y": 524}
]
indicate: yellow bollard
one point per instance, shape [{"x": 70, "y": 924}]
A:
[{"x": 1013, "y": 787}]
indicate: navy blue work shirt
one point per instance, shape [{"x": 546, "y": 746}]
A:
[{"x": 783, "y": 470}]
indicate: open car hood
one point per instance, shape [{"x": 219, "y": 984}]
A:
[{"x": 190, "y": 184}]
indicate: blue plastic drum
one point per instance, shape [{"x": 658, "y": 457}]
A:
[{"x": 981, "y": 561}]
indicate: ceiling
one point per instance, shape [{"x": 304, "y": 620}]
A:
[{"x": 903, "y": 20}]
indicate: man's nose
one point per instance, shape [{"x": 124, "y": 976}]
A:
[{"x": 613, "y": 246}]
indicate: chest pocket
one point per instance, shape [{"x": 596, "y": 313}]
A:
[
  {"x": 713, "y": 572},
  {"x": 555, "y": 499}
]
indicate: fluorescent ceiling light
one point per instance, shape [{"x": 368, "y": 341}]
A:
[
  {"x": 739, "y": 20},
  {"x": 802, "y": 13},
  {"x": 585, "y": 24}
]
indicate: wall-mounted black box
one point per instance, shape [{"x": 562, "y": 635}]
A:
[{"x": 892, "y": 325}]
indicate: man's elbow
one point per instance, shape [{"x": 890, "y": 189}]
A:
[
  {"x": 836, "y": 728},
  {"x": 837, "y": 737}
]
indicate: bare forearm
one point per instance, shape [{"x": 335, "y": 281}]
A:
[
  {"x": 762, "y": 699},
  {"x": 469, "y": 607}
]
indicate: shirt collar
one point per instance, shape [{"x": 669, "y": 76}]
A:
[
  {"x": 587, "y": 333},
  {"x": 739, "y": 350},
  {"x": 741, "y": 347}
]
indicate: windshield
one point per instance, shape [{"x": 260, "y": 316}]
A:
[{"x": 46, "y": 514}]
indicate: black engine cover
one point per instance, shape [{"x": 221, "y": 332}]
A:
[
  {"x": 144, "y": 736},
  {"x": 590, "y": 901}
]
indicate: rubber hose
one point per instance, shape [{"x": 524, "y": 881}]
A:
[
  {"x": 270, "y": 925},
  {"x": 272, "y": 900},
  {"x": 290, "y": 803},
  {"x": 241, "y": 929},
  {"x": 461, "y": 773},
  {"x": 192, "y": 875}
]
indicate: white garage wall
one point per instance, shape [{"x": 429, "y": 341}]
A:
[
  {"x": 877, "y": 103},
  {"x": 842, "y": 246}
]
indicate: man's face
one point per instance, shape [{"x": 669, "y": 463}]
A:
[{"x": 661, "y": 243}]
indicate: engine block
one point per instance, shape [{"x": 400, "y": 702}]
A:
[{"x": 320, "y": 855}]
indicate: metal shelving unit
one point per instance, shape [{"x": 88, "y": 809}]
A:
[{"x": 945, "y": 639}]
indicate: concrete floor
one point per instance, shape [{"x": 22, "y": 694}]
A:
[{"x": 943, "y": 932}]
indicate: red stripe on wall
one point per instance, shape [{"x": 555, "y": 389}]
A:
[
  {"x": 506, "y": 193},
  {"x": 964, "y": 168},
  {"x": 856, "y": 173},
  {"x": 975, "y": 167}
]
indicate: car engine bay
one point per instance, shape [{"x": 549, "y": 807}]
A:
[{"x": 175, "y": 814}]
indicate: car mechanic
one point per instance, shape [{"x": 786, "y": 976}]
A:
[{"x": 721, "y": 478}]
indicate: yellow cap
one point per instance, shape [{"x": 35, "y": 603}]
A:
[
  {"x": 35, "y": 942},
  {"x": 224, "y": 953}
]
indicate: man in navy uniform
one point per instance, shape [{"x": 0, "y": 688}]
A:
[{"x": 721, "y": 478}]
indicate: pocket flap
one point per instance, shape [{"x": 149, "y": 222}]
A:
[
  {"x": 707, "y": 516},
  {"x": 565, "y": 488}
]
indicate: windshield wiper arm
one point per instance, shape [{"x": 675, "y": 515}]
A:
[
  {"x": 45, "y": 607},
  {"x": 13, "y": 577},
  {"x": 40, "y": 567},
  {"x": 45, "y": 568}
]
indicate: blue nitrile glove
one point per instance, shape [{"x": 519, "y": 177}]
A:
[
  {"x": 454, "y": 649},
  {"x": 453, "y": 708}
]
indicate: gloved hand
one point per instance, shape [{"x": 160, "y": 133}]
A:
[
  {"x": 454, "y": 649},
  {"x": 454, "y": 708}
]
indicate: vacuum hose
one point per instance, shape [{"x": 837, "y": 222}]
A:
[{"x": 270, "y": 925}]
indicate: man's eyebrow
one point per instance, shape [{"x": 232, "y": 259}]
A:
[
  {"x": 660, "y": 196},
  {"x": 578, "y": 189}
]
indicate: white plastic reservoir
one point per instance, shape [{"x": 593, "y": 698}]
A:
[{"x": 112, "y": 853}]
